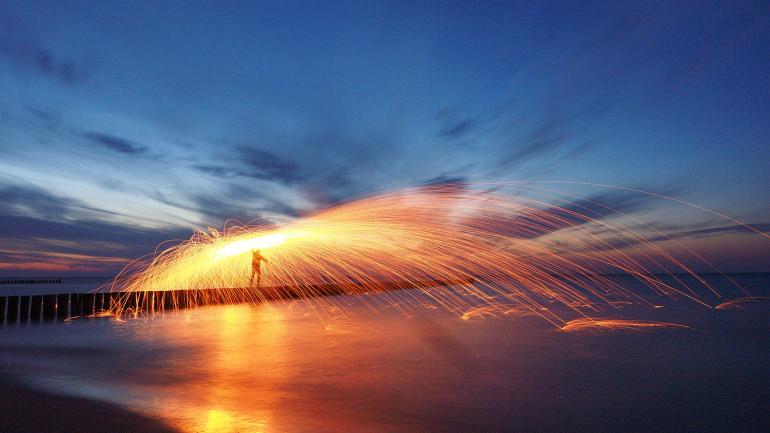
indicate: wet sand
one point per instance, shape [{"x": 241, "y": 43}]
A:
[{"x": 26, "y": 410}]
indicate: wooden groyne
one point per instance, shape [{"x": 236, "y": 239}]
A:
[
  {"x": 31, "y": 281},
  {"x": 66, "y": 306}
]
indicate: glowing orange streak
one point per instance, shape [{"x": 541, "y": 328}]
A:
[
  {"x": 587, "y": 324},
  {"x": 521, "y": 250},
  {"x": 739, "y": 303}
]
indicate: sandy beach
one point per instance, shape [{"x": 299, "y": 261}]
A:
[{"x": 26, "y": 410}]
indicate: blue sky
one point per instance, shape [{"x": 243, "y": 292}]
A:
[{"x": 126, "y": 123}]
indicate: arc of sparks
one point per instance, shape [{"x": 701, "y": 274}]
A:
[{"x": 522, "y": 254}]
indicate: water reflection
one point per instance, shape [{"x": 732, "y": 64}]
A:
[
  {"x": 230, "y": 380},
  {"x": 282, "y": 368},
  {"x": 278, "y": 367}
]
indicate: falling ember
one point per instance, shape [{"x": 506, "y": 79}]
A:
[
  {"x": 599, "y": 325},
  {"x": 498, "y": 253},
  {"x": 741, "y": 303}
]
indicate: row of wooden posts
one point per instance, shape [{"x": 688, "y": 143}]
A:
[
  {"x": 31, "y": 281},
  {"x": 64, "y": 306}
]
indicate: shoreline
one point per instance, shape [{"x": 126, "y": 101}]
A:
[{"x": 29, "y": 410}]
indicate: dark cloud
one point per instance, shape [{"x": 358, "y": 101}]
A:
[
  {"x": 76, "y": 246},
  {"x": 446, "y": 180},
  {"x": 114, "y": 143},
  {"x": 456, "y": 130},
  {"x": 24, "y": 50},
  {"x": 255, "y": 163},
  {"x": 232, "y": 201},
  {"x": 452, "y": 125},
  {"x": 448, "y": 186},
  {"x": 32, "y": 55},
  {"x": 141, "y": 240},
  {"x": 99, "y": 247},
  {"x": 30, "y": 200},
  {"x": 44, "y": 115},
  {"x": 217, "y": 170},
  {"x": 32, "y": 216},
  {"x": 326, "y": 166},
  {"x": 262, "y": 164},
  {"x": 238, "y": 202}
]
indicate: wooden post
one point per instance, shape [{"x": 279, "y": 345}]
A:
[
  {"x": 36, "y": 308},
  {"x": 181, "y": 298},
  {"x": 100, "y": 297},
  {"x": 88, "y": 304},
  {"x": 12, "y": 315},
  {"x": 107, "y": 304},
  {"x": 168, "y": 300},
  {"x": 23, "y": 309},
  {"x": 62, "y": 305},
  {"x": 76, "y": 305},
  {"x": 49, "y": 307}
]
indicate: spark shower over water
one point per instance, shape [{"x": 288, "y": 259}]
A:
[{"x": 500, "y": 247}]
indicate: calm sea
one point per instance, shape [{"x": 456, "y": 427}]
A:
[{"x": 365, "y": 364}]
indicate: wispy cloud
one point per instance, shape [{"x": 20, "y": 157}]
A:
[
  {"x": 453, "y": 126},
  {"x": 541, "y": 221},
  {"x": 37, "y": 225},
  {"x": 266, "y": 165},
  {"x": 716, "y": 231},
  {"x": 114, "y": 143},
  {"x": 24, "y": 50}
]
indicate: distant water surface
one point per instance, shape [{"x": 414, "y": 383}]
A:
[{"x": 290, "y": 368}]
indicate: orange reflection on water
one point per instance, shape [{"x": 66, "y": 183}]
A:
[
  {"x": 281, "y": 368},
  {"x": 228, "y": 383}
]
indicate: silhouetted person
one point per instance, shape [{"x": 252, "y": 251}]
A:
[{"x": 256, "y": 266}]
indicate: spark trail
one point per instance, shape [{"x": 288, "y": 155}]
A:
[{"x": 499, "y": 251}]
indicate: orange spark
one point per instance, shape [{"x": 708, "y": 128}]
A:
[
  {"x": 588, "y": 324},
  {"x": 740, "y": 303},
  {"x": 527, "y": 253}
]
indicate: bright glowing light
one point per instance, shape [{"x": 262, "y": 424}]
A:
[{"x": 232, "y": 248}]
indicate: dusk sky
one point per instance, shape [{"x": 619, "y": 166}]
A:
[{"x": 126, "y": 124}]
